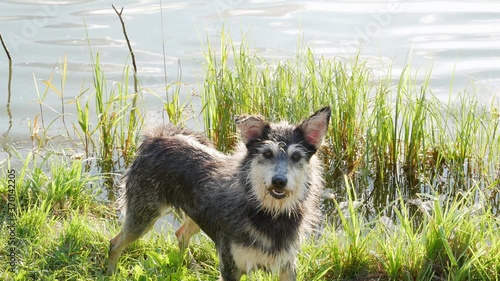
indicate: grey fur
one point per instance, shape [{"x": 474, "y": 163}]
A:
[{"x": 256, "y": 204}]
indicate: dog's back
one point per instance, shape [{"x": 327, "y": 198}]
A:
[{"x": 170, "y": 162}]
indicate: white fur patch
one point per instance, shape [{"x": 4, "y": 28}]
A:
[
  {"x": 250, "y": 258},
  {"x": 260, "y": 238},
  {"x": 192, "y": 141}
]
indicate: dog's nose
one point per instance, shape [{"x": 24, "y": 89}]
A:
[{"x": 279, "y": 181}]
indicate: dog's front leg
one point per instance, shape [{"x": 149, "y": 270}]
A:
[
  {"x": 228, "y": 269},
  {"x": 288, "y": 273},
  {"x": 229, "y": 274}
]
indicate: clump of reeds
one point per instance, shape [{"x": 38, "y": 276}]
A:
[
  {"x": 108, "y": 120},
  {"x": 382, "y": 134}
]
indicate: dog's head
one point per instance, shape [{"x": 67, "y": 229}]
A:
[{"x": 280, "y": 159}]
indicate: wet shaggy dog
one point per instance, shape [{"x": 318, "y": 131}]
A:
[{"x": 256, "y": 204}]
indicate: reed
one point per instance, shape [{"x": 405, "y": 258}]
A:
[{"x": 389, "y": 133}]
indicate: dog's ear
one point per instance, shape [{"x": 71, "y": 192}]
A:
[
  {"x": 251, "y": 127},
  {"x": 315, "y": 127}
]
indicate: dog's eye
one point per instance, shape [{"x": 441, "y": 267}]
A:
[
  {"x": 296, "y": 157},
  {"x": 267, "y": 154}
]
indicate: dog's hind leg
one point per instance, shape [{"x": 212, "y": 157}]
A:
[
  {"x": 185, "y": 231},
  {"x": 137, "y": 223}
]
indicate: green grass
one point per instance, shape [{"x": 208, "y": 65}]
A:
[
  {"x": 63, "y": 234},
  {"x": 413, "y": 179}
]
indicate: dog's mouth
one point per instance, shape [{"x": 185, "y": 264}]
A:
[{"x": 277, "y": 193}]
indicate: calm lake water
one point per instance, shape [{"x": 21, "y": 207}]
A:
[{"x": 461, "y": 39}]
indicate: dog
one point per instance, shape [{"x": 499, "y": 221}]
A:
[{"x": 256, "y": 204}]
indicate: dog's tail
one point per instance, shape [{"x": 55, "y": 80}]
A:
[{"x": 121, "y": 200}]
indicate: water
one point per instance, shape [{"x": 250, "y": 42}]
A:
[{"x": 460, "y": 39}]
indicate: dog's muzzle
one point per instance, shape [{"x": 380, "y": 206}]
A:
[{"x": 277, "y": 190}]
